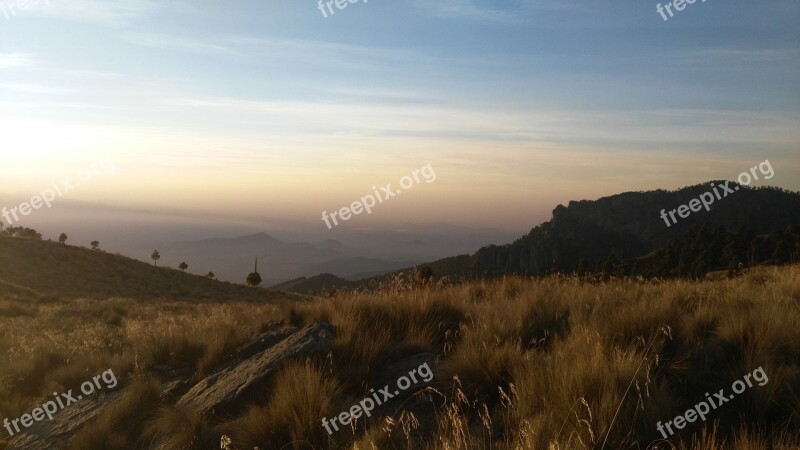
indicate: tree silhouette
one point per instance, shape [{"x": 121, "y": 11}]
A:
[
  {"x": 210, "y": 275},
  {"x": 183, "y": 266},
  {"x": 23, "y": 232},
  {"x": 155, "y": 257},
  {"x": 95, "y": 245},
  {"x": 62, "y": 239},
  {"x": 254, "y": 278}
]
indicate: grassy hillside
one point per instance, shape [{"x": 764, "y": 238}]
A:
[
  {"x": 551, "y": 363},
  {"x": 31, "y": 268},
  {"x": 321, "y": 283},
  {"x": 455, "y": 268}
]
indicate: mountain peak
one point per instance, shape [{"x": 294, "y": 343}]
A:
[
  {"x": 262, "y": 236},
  {"x": 331, "y": 243}
]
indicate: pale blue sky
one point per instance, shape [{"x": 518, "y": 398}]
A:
[{"x": 519, "y": 105}]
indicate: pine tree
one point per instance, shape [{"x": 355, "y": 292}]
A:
[{"x": 254, "y": 278}]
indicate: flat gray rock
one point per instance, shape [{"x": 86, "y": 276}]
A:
[
  {"x": 47, "y": 435},
  {"x": 224, "y": 388},
  {"x": 263, "y": 341}
]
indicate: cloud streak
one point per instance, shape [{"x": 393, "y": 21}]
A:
[
  {"x": 108, "y": 12},
  {"x": 496, "y": 11},
  {"x": 12, "y": 60}
]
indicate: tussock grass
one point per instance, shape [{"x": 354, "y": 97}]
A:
[
  {"x": 122, "y": 423},
  {"x": 553, "y": 363},
  {"x": 170, "y": 428},
  {"x": 64, "y": 343},
  {"x": 372, "y": 332},
  {"x": 303, "y": 395}
]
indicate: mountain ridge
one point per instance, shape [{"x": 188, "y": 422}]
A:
[{"x": 620, "y": 226}]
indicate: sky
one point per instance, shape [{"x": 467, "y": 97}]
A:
[{"x": 269, "y": 108}]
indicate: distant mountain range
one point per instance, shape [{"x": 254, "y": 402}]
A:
[
  {"x": 232, "y": 258},
  {"x": 620, "y": 227},
  {"x": 290, "y": 250},
  {"x": 614, "y": 233},
  {"x": 370, "y": 253}
]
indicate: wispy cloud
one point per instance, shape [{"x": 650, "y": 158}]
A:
[
  {"x": 495, "y": 10},
  {"x": 266, "y": 45},
  {"x": 294, "y": 52},
  {"x": 625, "y": 129},
  {"x": 29, "y": 88},
  {"x": 186, "y": 44},
  {"x": 742, "y": 56},
  {"x": 104, "y": 11},
  {"x": 8, "y": 60},
  {"x": 381, "y": 95}
]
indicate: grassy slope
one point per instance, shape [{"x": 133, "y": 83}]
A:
[
  {"x": 31, "y": 268},
  {"x": 317, "y": 283},
  {"x": 577, "y": 362},
  {"x": 454, "y": 267}
]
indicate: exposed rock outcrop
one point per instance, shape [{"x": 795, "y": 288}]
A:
[
  {"x": 251, "y": 365},
  {"x": 47, "y": 435},
  {"x": 225, "y": 388}
]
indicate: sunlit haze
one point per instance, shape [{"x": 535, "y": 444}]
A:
[{"x": 270, "y": 110}]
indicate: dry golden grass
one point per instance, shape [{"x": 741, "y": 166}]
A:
[
  {"x": 555, "y": 363},
  {"x": 303, "y": 394},
  {"x": 122, "y": 422},
  {"x": 58, "y": 345}
]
